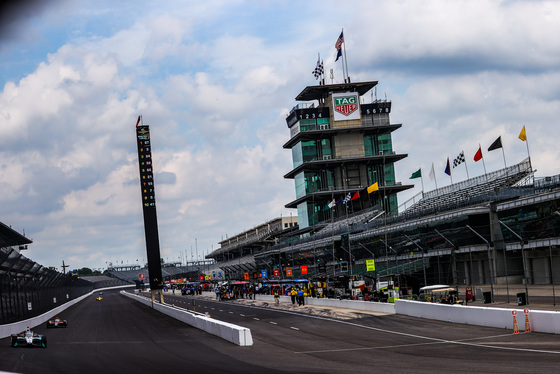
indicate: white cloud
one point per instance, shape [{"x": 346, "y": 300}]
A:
[{"x": 215, "y": 80}]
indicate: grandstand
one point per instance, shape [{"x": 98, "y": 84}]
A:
[
  {"x": 28, "y": 289},
  {"x": 468, "y": 232},
  {"x": 191, "y": 272},
  {"x": 104, "y": 281},
  {"x": 471, "y": 191}
]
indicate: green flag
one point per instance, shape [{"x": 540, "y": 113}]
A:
[{"x": 416, "y": 174}]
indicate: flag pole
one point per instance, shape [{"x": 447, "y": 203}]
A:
[
  {"x": 466, "y": 168},
  {"x": 432, "y": 172},
  {"x": 422, "y": 180},
  {"x": 345, "y": 59},
  {"x": 483, "y": 163},
  {"x": 527, "y": 144},
  {"x": 450, "y": 173},
  {"x": 504, "y": 154}
]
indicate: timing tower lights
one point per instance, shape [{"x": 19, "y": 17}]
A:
[{"x": 149, "y": 207}]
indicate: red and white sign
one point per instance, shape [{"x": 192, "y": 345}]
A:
[
  {"x": 141, "y": 276},
  {"x": 276, "y": 272},
  {"x": 346, "y": 106}
]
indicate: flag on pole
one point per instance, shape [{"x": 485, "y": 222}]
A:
[
  {"x": 523, "y": 134},
  {"x": 497, "y": 144},
  {"x": 416, "y": 174},
  {"x": 338, "y": 45},
  {"x": 347, "y": 198},
  {"x": 373, "y": 187},
  {"x": 478, "y": 155},
  {"x": 432, "y": 173},
  {"x": 319, "y": 70},
  {"x": 448, "y": 168},
  {"x": 356, "y": 196},
  {"x": 340, "y": 201},
  {"x": 459, "y": 159},
  {"x": 332, "y": 203}
]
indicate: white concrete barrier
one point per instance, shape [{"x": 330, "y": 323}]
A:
[
  {"x": 17, "y": 327},
  {"x": 540, "y": 321},
  {"x": 227, "y": 331}
]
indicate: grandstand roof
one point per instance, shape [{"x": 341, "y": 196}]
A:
[{"x": 11, "y": 238}]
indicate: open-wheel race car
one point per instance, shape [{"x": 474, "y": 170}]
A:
[
  {"x": 28, "y": 338},
  {"x": 57, "y": 322}
]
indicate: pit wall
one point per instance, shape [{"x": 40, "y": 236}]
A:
[
  {"x": 17, "y": 327},
  {"x": 235, "y": 334},
  {"x": 539, "y": 320}
]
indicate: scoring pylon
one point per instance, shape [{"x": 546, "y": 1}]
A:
[
  {"x": 515, "y": 325},
  {"x": 527, "y": 324}
]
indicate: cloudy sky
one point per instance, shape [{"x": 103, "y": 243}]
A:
[{"x": 215, "y": 81}]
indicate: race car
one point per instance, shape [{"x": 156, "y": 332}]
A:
[
  {"x": 57, "y": 322},
  {"x": 99, "y": 298},
  {"x": 28, "y": 338}
]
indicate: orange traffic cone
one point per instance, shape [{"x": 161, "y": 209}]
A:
[
  {"x": 527, "y": 324},
  {"x": 515, "y": 325}
]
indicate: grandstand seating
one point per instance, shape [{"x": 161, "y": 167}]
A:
[
  {"x": 464, "y": 192},
  {"x": 131, "y": 276},
  {"x": 102, "y": 281}
]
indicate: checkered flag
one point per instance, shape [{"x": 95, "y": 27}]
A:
[
  {"x": 318, "y": 72},
  {"x": 347, "y": 198},
  {"x": 459, "y": 159}
]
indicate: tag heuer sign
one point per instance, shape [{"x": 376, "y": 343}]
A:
[{"x": 346, "y": 106}]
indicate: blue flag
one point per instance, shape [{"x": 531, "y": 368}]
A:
[{"x": 448, "y": 168}]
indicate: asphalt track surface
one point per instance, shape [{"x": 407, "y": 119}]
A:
[{"x": 120, "y": 335}]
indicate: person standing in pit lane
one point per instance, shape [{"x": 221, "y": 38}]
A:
[
  {"x": 293, "y": 294},
  {"x": 276, "y": 296},
  {"x": 300, "y": 297}
]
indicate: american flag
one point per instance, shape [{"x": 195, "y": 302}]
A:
[
  {"x": 339, "y": 41},
  {"x": 338, "y": 45}
]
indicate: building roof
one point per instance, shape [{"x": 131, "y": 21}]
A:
[
  {"x": 318, "y": 92},
  {"x": 11, "y": 238}
]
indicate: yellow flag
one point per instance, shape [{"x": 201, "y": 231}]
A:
[
  {"x": 523, "y": 135},
  {"x": 373, "y": 187}
]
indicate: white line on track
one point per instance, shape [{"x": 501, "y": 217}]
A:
[
  {"x": 256, "y": 319},
  {"x": 295, "y": 328},
  {"x": 242, "y": 315},
  {"x": 434, "y": 340}
]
